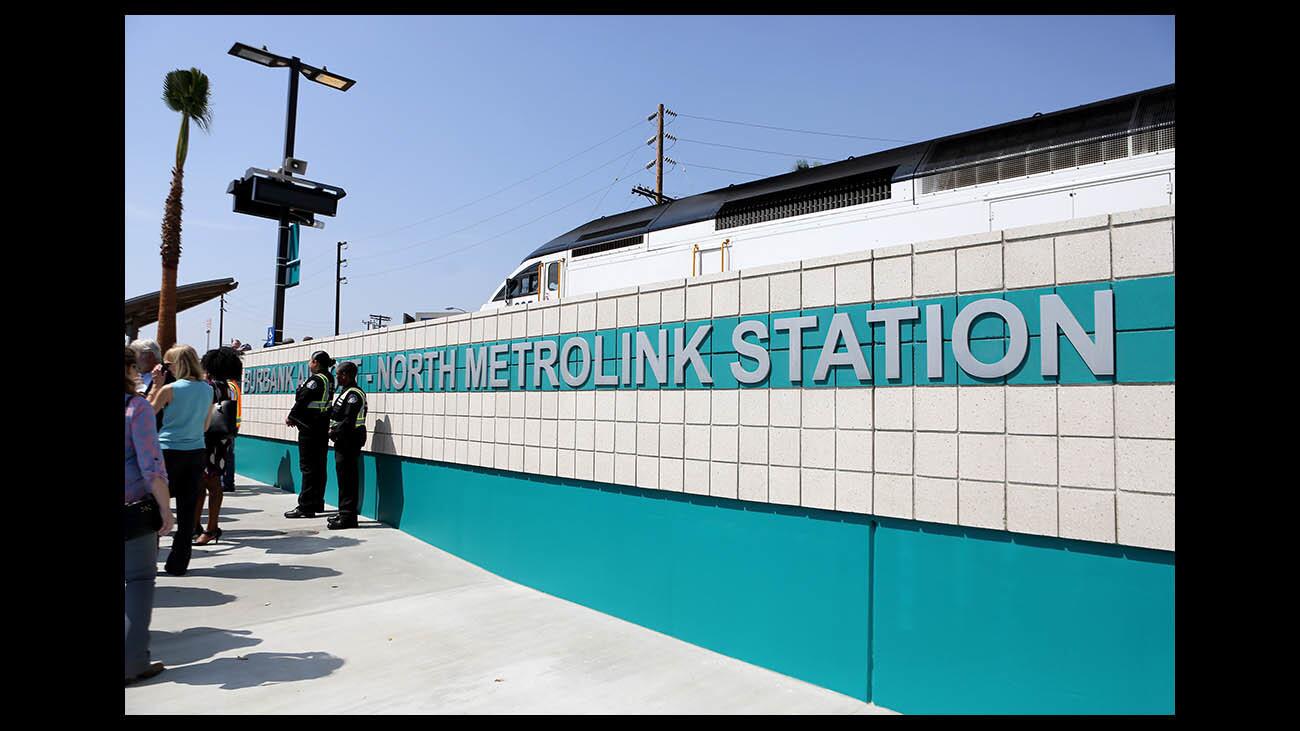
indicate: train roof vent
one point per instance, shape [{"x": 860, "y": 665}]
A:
[
  {"x": 1092, "y": 134},
  {"x": 615, "y": 229},
  {"x": 866, "y": 188},
  {"x": 609, "y": 245}
]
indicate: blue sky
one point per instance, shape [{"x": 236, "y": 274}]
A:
[{"x": 449, "y": 110}]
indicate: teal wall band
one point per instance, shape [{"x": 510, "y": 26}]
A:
[
  {"x": 1144, "y": 347},
  {"x": 916, "y": 617}
]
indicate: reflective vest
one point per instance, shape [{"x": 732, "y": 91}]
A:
[
  {"x": 361, "y": 412},
  {"x": 321, "y": 404},
  {"x": 237, "y": 396}
]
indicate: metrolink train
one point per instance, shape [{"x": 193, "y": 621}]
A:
[{"x": 1108, "y": 156}]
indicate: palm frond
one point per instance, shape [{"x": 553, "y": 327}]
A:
[{"x": 188, "y": 92}]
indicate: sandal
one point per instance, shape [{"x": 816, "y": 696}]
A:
[{"x": 215, "y": 537}]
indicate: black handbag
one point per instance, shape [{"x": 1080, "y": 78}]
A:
[
  {"x": 141, "y": 517},
  {"x": 222, "y": 423}
]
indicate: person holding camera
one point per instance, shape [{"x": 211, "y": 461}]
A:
[
  {"x": 188, "y": 410},
  {"x": 348, "y": 430},
  {"x": 310, "y": 416},
  {"x": 147, "y": 517},
  {"x": 147, "y": 356}
]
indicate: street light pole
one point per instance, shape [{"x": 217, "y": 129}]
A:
[
  {"x": 321, "y": 76},
  {"x": 339, "y": 280},
  {"x": 282, "y": 249}
]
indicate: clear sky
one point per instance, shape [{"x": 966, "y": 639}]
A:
[{"x": 447, "y": 111}]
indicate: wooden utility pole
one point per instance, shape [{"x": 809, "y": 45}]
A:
[{"x": 659, "y": 159}]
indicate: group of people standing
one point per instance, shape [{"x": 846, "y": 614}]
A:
[
  {"x": 320, "y": 414},
  {"x": 182, "y": 416}
]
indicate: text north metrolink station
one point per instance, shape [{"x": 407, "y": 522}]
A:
[{"x": 580, "y": 362}]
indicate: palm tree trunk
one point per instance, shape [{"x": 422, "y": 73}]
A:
[{"x": 171, "y": 257}]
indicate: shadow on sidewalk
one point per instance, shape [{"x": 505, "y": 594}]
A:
[
  {"x": 197, "y": 643},
  {"x": 253, "y": 670},
  {"x": 170, "y": 597},
  {"x": 299, "y": 545},
  {"x": 235, "y": 511},
  {"x": 283, "y": 572},
  {"x": 241, "y": 534},
  {"x": 283, "y": 478}
]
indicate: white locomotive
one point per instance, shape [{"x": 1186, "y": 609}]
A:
[{"x": 1111, "y": 155}]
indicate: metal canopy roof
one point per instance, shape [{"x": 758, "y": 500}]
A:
[
  {"x": 1108, "y": 116},
  {"x": 143, "y": 310}
]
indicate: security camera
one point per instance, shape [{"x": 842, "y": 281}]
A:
[{"x": 294, "y": 166}]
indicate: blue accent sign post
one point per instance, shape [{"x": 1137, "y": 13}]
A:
[{"x": 292, "y": 268}]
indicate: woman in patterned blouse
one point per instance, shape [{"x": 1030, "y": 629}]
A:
[{"x": 145, "y": 474}]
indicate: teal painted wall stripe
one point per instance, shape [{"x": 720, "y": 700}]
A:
[
  {"x": 916, "y": 617},
  {"x": 973, "y": 621},
  {"x": 1144, "y": 344},
  {"x": 783, "y": 588}
]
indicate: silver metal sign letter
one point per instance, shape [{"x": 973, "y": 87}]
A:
[
  {"x": 841, "y": 328},
  {"x": 751, "y": 350},
  {"x": 795, "y": 326},
  {"x": 495, "y": 365},
  {"x": 602, "y": 378},
  {"x": 689, "y": 352},
  {"x": 934, "y": 341},
  {"x": 544, "y": 363},
  {"x": 645, "y": 351},
  {"x": 584, "y": 367},
  {"x": 1015, "y": 349},
  {"x": 1098, "y": 354},
  {"x": 893, "y": 317}
]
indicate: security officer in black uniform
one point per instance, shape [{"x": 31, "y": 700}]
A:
[
  {"x": 310, "y": 416},
  {"x": 348, "y": 432}
]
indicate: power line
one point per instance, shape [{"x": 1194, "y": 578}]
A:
[
  {"x": 725, "y": 170},
  {"x": 753, "y": 149},
  {"x": 638, "y": 123},
  {"x": 248, "y": 311},
  {"x": 621, "y": 170},
  {"x": 484, "y": 241},
  {"x": 791, "y": 129},
  {"x": 502, "y": 213}
]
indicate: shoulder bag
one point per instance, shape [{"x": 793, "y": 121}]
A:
[{"x": 142, "y": 516}]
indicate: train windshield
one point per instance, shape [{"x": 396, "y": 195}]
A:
[{"x": 524, "y": 285}]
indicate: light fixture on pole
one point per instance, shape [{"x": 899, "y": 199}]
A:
[{"x": 321, "y": 76}]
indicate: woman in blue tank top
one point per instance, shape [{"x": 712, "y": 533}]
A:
[{"x": 186, "y": 405}]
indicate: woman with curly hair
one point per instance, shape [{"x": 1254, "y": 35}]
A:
[{"x": 222, "y": 366}]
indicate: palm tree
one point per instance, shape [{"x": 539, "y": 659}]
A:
[{"x": 185, "y": 92}]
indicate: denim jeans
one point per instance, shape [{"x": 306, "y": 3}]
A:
[{"x": 140, "y": 567}]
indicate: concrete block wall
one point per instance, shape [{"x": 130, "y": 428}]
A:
[{"x": 1076, "y": 457}]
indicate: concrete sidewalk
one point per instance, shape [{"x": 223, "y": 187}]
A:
[{"x": 285, "y": 616}]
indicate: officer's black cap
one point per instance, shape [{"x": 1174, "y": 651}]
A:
[{"x": 323, "y": 358}]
